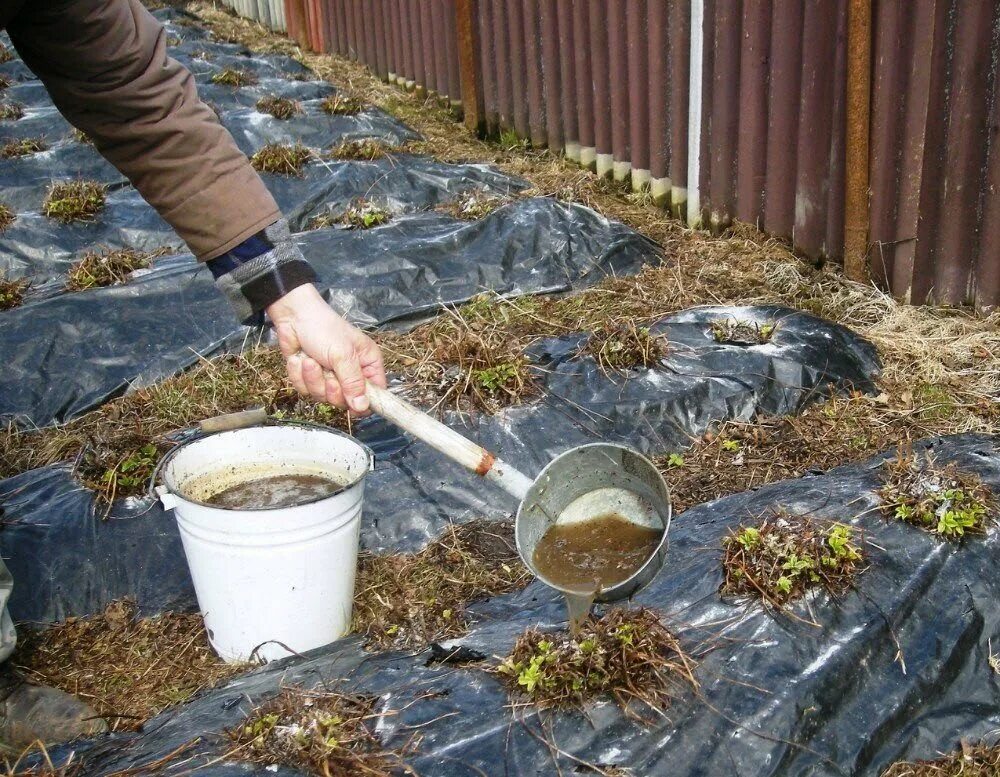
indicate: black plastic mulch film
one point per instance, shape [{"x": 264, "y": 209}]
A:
[{"x": 897, "y": 668}]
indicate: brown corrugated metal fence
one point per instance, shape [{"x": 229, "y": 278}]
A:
[{"x": 795, "y": 108}]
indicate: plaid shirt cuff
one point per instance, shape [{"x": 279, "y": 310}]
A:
[{"x": 260, "y": 271}]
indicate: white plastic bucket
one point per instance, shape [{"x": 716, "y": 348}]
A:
[{"x": 269, "y": 582}]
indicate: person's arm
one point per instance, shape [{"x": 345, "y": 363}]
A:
[{"x": 105, "y": 65}]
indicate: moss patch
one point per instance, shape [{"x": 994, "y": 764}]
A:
[
  {"x": 366, "y": 150},
  {"x": 110, "y": 267},
  {"x": 625, "y": 347},
  {"x": 11, "y": 111},
  {"x": 365, "y": 215},
  {"x": 320, "y": 732},
  {"x": 232, "y": 77},
  {"x": 70, "y": 201},
  {"x": 11, "y": 292},
  {"x": 281, "y": 159},
  {"x": 780, "y": 559},
  {"x": 341, "y": 105},
  {"x": 408, "y": 600},
  {"x": 7, "y": 217},
  {"x": 129, "y": 668},
  {"x": 628, "y": 655},
  {"x": 941, "y": 500},
  {"x": 278, "y": 107},
  {"x": 970, "y": 761},
  {"x": 736, "y": 332}
]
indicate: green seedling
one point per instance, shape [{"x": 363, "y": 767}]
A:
[
  {"x": 675, "y": 460},
  {"x": 511, "y": 141},
  {"x": 280, "y": 159},
  {"x": 236, "y": 78},
  {"x": 731, "y": 446},
  {"x": 365, "y": 215},
  {"x": 785, "y": 556},
  {"x": 627, "y": 655},
  {"x": 134, "y": 470},
  {"x": 941, "y": 500},
  {"x": 11, "y": 111},
  {"x": 341, "y": 105},
  {"x": 736, "y": 332},
  {"x": 279, "y": 107},
  {"x": 70, "y": 201}
]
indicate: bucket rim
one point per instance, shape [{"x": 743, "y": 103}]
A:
[{"x": 171, "y": 488}]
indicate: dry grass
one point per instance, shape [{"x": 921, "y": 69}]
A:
[
  {"x": 235, "y": 78},
  {"x": 11, "y": 111},
  {"x": 625, "y": 347},
  {"x": 628, "y": 655},
  {"x": 26, "y": 147},
  {"x": 363, "y": 215},
  {"x": 4, "y": 82},
  {"x": 319, "y": 732},
  {"x": 109, "y": 267},
  {"x": 278, "y": 107},
  {"x": 408, "y": 600},
  {"x": 6, "y": 55},
  {"x": 367, "y": 150},
  {"x": 116, "y": 446},
  {"x": 942, "y": 500},
  {"x": 341, "y": 105},
  {"x": 970, "y": 761},
  {"x": 69, "y": 201},
  {"x": 736, "y": 332},
  {"x": 7, "y": 217},
  {"x": 784, "y": 556},
  {"x": 128, "y": 668},
  {"x": 281, "y": 159},
  {"x": 472, "y": 206},
  {"x": 11, "y": 292}
]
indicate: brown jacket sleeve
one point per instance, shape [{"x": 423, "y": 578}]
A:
[{"x": 105, "y": 65}]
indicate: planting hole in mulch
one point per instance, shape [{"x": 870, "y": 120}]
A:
[
  {"x": 472, "y": 206},
  {"x": 281, "y": 159},
  {"x": 82, "y": 137},
  {"x": 341, "y": 105},
  {"x": 942, "y": 500},
  {"x": 4, "y": 82},
  {"x": 69, "y": 201},
  {"x": 110, "y": 267},
  {"x": 970, "y": 761},
  {"x": 625, "y": 347},
  {"x": 733, "y": 331},
  {"x": 365, "y": 215},
  {"x": 407, "y": 600},
  {"x": 128, "y": 668},
  {"x": 6, "y": 55},
  {"x": 628, "y": 655},
  {"x": 367, "y": 150},
  {"x": 233, "y": 77},
  {"x": 783, "y": 557},
  {"x": 11, "y": 111},
  {"x": 7, "y": 217},
  {"x": 278, "y": 107},
  {"x": 11, "y": 292},
  {"x": 319, "y": 732},
  {"x": 25, "y": 147}
]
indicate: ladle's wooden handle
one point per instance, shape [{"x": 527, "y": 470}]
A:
[{"x": 449, "y": 442}]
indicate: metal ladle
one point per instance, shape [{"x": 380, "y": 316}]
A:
[{"x": 585, "y": 482}]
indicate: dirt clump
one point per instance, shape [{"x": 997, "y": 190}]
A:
[
  {"x": 411, "y": 599},
  {"x": 279, "y": 107},
  {"x": 281, "y": 159},
  {"x": 128, "y": 667},
  {"x": 941, "y": 500},
  {"x": 320, "y": 732},
  {"x": 780, "y": 559},
  {"x": 25, "y": 147},
  {"x": 69, "y": 201},
  {"x": 628, "y": 655},
  {"x": 109, "y": 268}
]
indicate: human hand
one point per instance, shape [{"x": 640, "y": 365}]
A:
[{"x": 326, "y": 357}]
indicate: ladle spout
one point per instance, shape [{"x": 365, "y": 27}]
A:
[{"x": 449, "y": 442}]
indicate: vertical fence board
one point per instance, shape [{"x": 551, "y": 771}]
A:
[
  {"x": 639, "y": 91},
  {"x": 535, "y": 71},
  {"x": 751, "y": 151},
  {"x": 584, "y": 83},
  {"x": 553, "y": 94},
  {"x": 601, "y": 84}
]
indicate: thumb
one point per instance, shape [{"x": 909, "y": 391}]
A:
[{"x": 347, "y": 368}]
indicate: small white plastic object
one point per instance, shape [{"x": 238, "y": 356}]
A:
[{"x": 270, "y": 582}]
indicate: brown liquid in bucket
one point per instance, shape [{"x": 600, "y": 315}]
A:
[{"x": 274, "y": 491}]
